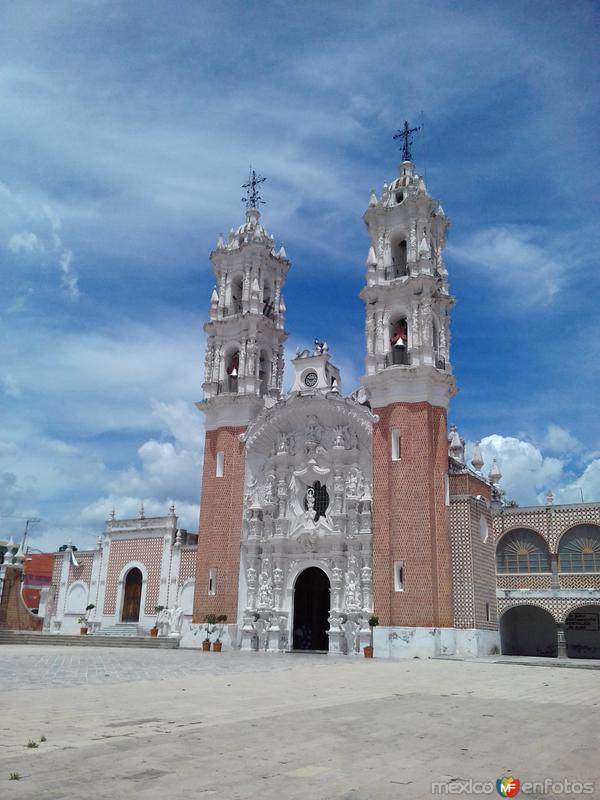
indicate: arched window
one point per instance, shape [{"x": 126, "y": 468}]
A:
[
  {"x": 399, "y": 259},
  {"x": 232, "y": 370},
  {"x": 236, "y": 295},
  {"x": 399, "y": 341},
  {"x": 579, "y": 550},
  {"x": 522, "y": 551},
  {"x": 264, "y": 372},
  {"x": 268, "y": 306}
]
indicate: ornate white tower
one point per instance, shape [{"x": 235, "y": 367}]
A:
[
  {"x": 243, "y": 374},
  {"x": 406, "y": 295},
  {"x": 244, "y": 350},
  {"x": 409, "y": 383}
]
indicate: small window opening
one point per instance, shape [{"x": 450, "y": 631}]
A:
[
  {"x": 236, "y": 295},
  {"x": 212, "y": 580},
  {"x": 220, "y": 469},
  {"x": 399, "y": 197},
  {"x": 399, "y": 259},
  {"x": 396, "y": 448},
  {"x": 233, "y": 366},
  {"x": 399, "y": 342},
  {"x": 487, "y": 612},
  {"x": 264, "y": 373},
  {"x": 398, "y": 576},
  {"x": 268, "y": 303}
]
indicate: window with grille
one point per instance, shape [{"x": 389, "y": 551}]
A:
[
  {"x": 321, "y": 499},
  {"x": 579, "y": 550},
  {"x": 522, "y": 551}
]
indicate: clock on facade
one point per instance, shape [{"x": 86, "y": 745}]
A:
[{"x": 310, "y": 379}]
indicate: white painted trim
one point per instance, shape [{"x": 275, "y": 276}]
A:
[{"x": 70, "y": 588}]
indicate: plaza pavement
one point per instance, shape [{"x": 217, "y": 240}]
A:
[{"x": 177, "y": 724}]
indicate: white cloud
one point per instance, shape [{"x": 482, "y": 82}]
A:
[
  {"x": 126, "y": 507},
  {"x": 519, "y": 259},
  {"x": 10, "y": 387},
  {"x": 586, "y": 487},
  {"x": 25, "y": 242},
  {"x": 526, "y": 472},
  {"x": 69, "y": 279},
  {"x": 559, "y": 440}
]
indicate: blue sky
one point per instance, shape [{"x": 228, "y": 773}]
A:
[{"x": 127, "y": 130}]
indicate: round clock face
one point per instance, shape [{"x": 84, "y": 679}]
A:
[{"x": 310, "y": 379}]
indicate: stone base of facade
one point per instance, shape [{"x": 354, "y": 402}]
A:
[{"x": 433, "y": 642}]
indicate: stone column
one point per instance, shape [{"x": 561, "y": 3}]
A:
[
  {"x": 561, "y": 639},
  {"x": 555, "y": 581}
]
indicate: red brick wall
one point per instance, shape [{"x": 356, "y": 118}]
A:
[
  {"x": 220, "y": 524},
  {"x": 410, "y": 517},
  {"x": 14, "y": 614},
  {"x": 148, "y": 552}
]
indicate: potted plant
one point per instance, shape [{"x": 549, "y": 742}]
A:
[
  {"x": 220, "y": 621},
  {"x": 210, "y": 626},
  {"x": 368, "y": 650},
  {"x": 83, "y": 621},
  {"x": 154, "y": 630}
]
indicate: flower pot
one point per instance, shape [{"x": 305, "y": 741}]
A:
[
  {"x": 83, "y": 631},
  {"x": 205, "y": 645},
  {"x": 154, "y": 631},
  {"x": 217, "y": 647},
  {"x": 368, "y": 651}
]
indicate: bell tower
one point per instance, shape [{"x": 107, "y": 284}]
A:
[
  {"x": 243, "y": 374},
  {"x": 408, "y": 377}
]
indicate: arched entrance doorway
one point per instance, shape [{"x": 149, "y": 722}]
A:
[
  {"x": 311, "y": 610},
  {"x": 528, "y": 631},
  {"x": 582, "y": 632},
  {"x": 132, "y": 595}
]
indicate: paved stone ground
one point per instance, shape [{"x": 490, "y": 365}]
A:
[{"x": 184, "y": 724}]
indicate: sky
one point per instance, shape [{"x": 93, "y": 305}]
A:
[{"x": 126, "y": 132}]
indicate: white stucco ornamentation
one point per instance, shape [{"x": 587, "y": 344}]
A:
[
  {"x": 307, "y": 504},
  {"x": 406, "y": 295}
]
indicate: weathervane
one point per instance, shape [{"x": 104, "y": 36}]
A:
[
  {"x": 405, "y": 134},
  {"x": 253, "y": 198}
]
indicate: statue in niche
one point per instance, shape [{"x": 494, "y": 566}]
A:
[
  {"x": 338, "y": 438},
  {"x": 175, "y": 622},
  {"x": 277, "y": 576},
  {"x": 282, "y": 447},
  {"x": 251, "y": 351},
  {"x": 338, "y": 483},
  {"x": 351, "y": 629},
  {"x": 427, "y": 323},
  {"x": 351, "y": 483},
  {"x": 268, "y": 492},
  {"x": 251, "y": 493},
  {"x": 353, "y": 592},
  {"x": 313, "y": 430},
  {"x": 355, "y": 483},
  {"x": 265, "y": 592},
  {"x": 310, "y": 505},
  {"x": 209, "y": 361}
]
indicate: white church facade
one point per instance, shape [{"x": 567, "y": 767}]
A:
[{"x": 320, "y": 510}]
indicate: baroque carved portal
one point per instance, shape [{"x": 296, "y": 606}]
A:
[{"x": 307, "y": 523}]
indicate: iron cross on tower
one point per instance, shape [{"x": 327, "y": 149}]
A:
[
  {"x": 405, "y": 134},
  {"x": 253, "y": 198}
]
